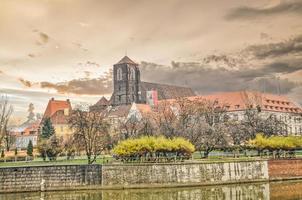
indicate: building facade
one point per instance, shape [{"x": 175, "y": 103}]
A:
[{"x": 58, "y": 112}]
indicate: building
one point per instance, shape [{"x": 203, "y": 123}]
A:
[
  {"x": 269, "y": 105},
  {"x": 128, "y": 87},
  {"x": 28, "y": 131},
  {"x": 58, "y": 112},
  {"x": 280, "y": 107},
  {"x": 129, "y": 90}
]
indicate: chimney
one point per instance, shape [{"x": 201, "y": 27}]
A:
[
  {"x": 68, "y": 100},
  {"x": 52, "y": 99}
]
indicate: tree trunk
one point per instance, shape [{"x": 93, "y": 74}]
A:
[{"x": 206, "y": 153}]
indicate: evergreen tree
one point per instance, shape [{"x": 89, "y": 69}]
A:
[
  {"x": 30, "y": 148},
  {"x": 47, "y": 129},
  {"x": 2, "y": 154},
  {"x": 16, "y": 151}
]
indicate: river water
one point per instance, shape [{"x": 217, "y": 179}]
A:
[{"x": 263, "y": 191}]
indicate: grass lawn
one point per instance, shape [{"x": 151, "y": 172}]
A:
[{"x": 60, "y": 161}]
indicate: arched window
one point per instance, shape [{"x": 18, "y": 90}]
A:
[
  {"x": 119, "y": 74},
  {"x": 132, "y": 74}
]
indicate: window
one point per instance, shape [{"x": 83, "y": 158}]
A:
[
  {"x": 119, "y": 98},
  {"x": 119, "y": 74},
  {"x": 132, "y": 74},
  {"x": 119, "y": 88}
]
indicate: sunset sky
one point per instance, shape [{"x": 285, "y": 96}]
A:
[{"x": 66, "y": 48}]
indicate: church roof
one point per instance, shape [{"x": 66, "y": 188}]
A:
[
  {"x": 166, "y": 91},
  {"x": 127, "y": 60}
]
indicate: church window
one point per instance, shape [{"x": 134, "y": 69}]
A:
[
  {"x": 119, "y": 74},
  {"x": 132, "y": 74}
]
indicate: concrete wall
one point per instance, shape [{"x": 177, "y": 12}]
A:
[{"x": 119, "y": 176}]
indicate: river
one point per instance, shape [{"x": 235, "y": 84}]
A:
[{"x": 263, "y": 191}]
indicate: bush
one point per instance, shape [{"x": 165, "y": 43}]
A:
[
  {"x": 276, "y": 144},
  {"x": 153, "y": 148}
]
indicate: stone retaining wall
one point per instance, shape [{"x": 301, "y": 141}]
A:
[
  {"x": 185, "y": 173},
  {"x": 37, "y": 178},
  {"x": 49, "y": 177}
]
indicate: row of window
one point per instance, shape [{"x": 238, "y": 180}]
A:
[
  {"x": 281, "y": 108},
  {"x": 119, "y": 74},
  {"x": 277, "y": 102}
]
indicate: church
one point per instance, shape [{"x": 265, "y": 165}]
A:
[{"x": 128, "y": 87}]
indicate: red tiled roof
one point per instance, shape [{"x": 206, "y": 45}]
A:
[
  {"x": 56, "y": 105},
  {"x": 240, "y": 100}
]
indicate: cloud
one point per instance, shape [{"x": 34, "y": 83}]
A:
[
  {"x": 284, "y": 7},
  {"x": 291, "y": 46},
  {"x": 204, "y": 79},
  {"x": 25, "y": 82},
  {"x": 85, "y": 86},
  {"x": 43, "y": 37}
]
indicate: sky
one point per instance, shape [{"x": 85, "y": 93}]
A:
[{"x": 66, "y": 48}]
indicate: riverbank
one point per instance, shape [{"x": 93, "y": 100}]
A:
[{"x": 150, "y": 175}]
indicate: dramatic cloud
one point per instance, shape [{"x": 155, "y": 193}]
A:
[
  {"x": 85, "y": 86},
  {"x": 284, "y": 7},
  {"x": 25, "y": 82},
  {"x": 272, "y": 50}
]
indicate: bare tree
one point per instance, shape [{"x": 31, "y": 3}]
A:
[
  {"x": 133, "y": 126},
  {"x": 6, "y": 110},
  {"x": 255, "y": 121},
  {"x": 90, "y": 132}
]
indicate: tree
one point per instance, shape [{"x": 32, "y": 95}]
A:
[
  {"x": 90, "y": 132},
  {"x": 132, "y": 126},
  {"x": 30, "y": 148},
  {"x": 50, "y": 148},
  {"x": 2, "y": 154},
  {"x": 6, "y": 110},
  {"x": 196, "y": 119},
  {"x": 54, "y": 147},
  {"x": 31, "y": 114},
  {"x": 47, "y": 129}
]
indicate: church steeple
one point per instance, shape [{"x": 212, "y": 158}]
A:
[{"x": 126, "y": 81}]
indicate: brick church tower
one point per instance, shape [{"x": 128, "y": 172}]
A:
[{"x": 126, "y": 82}]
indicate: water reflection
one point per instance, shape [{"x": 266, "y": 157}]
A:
[{"x": 274, "y": 191}]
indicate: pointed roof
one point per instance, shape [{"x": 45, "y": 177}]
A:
[
  {"x": 102, "y": 102},
  {"x": 126, "y": 60},
  {"x": 54, "y": 106}
]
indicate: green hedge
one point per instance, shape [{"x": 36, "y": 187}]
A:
[{"x": 150, "y": 148}]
